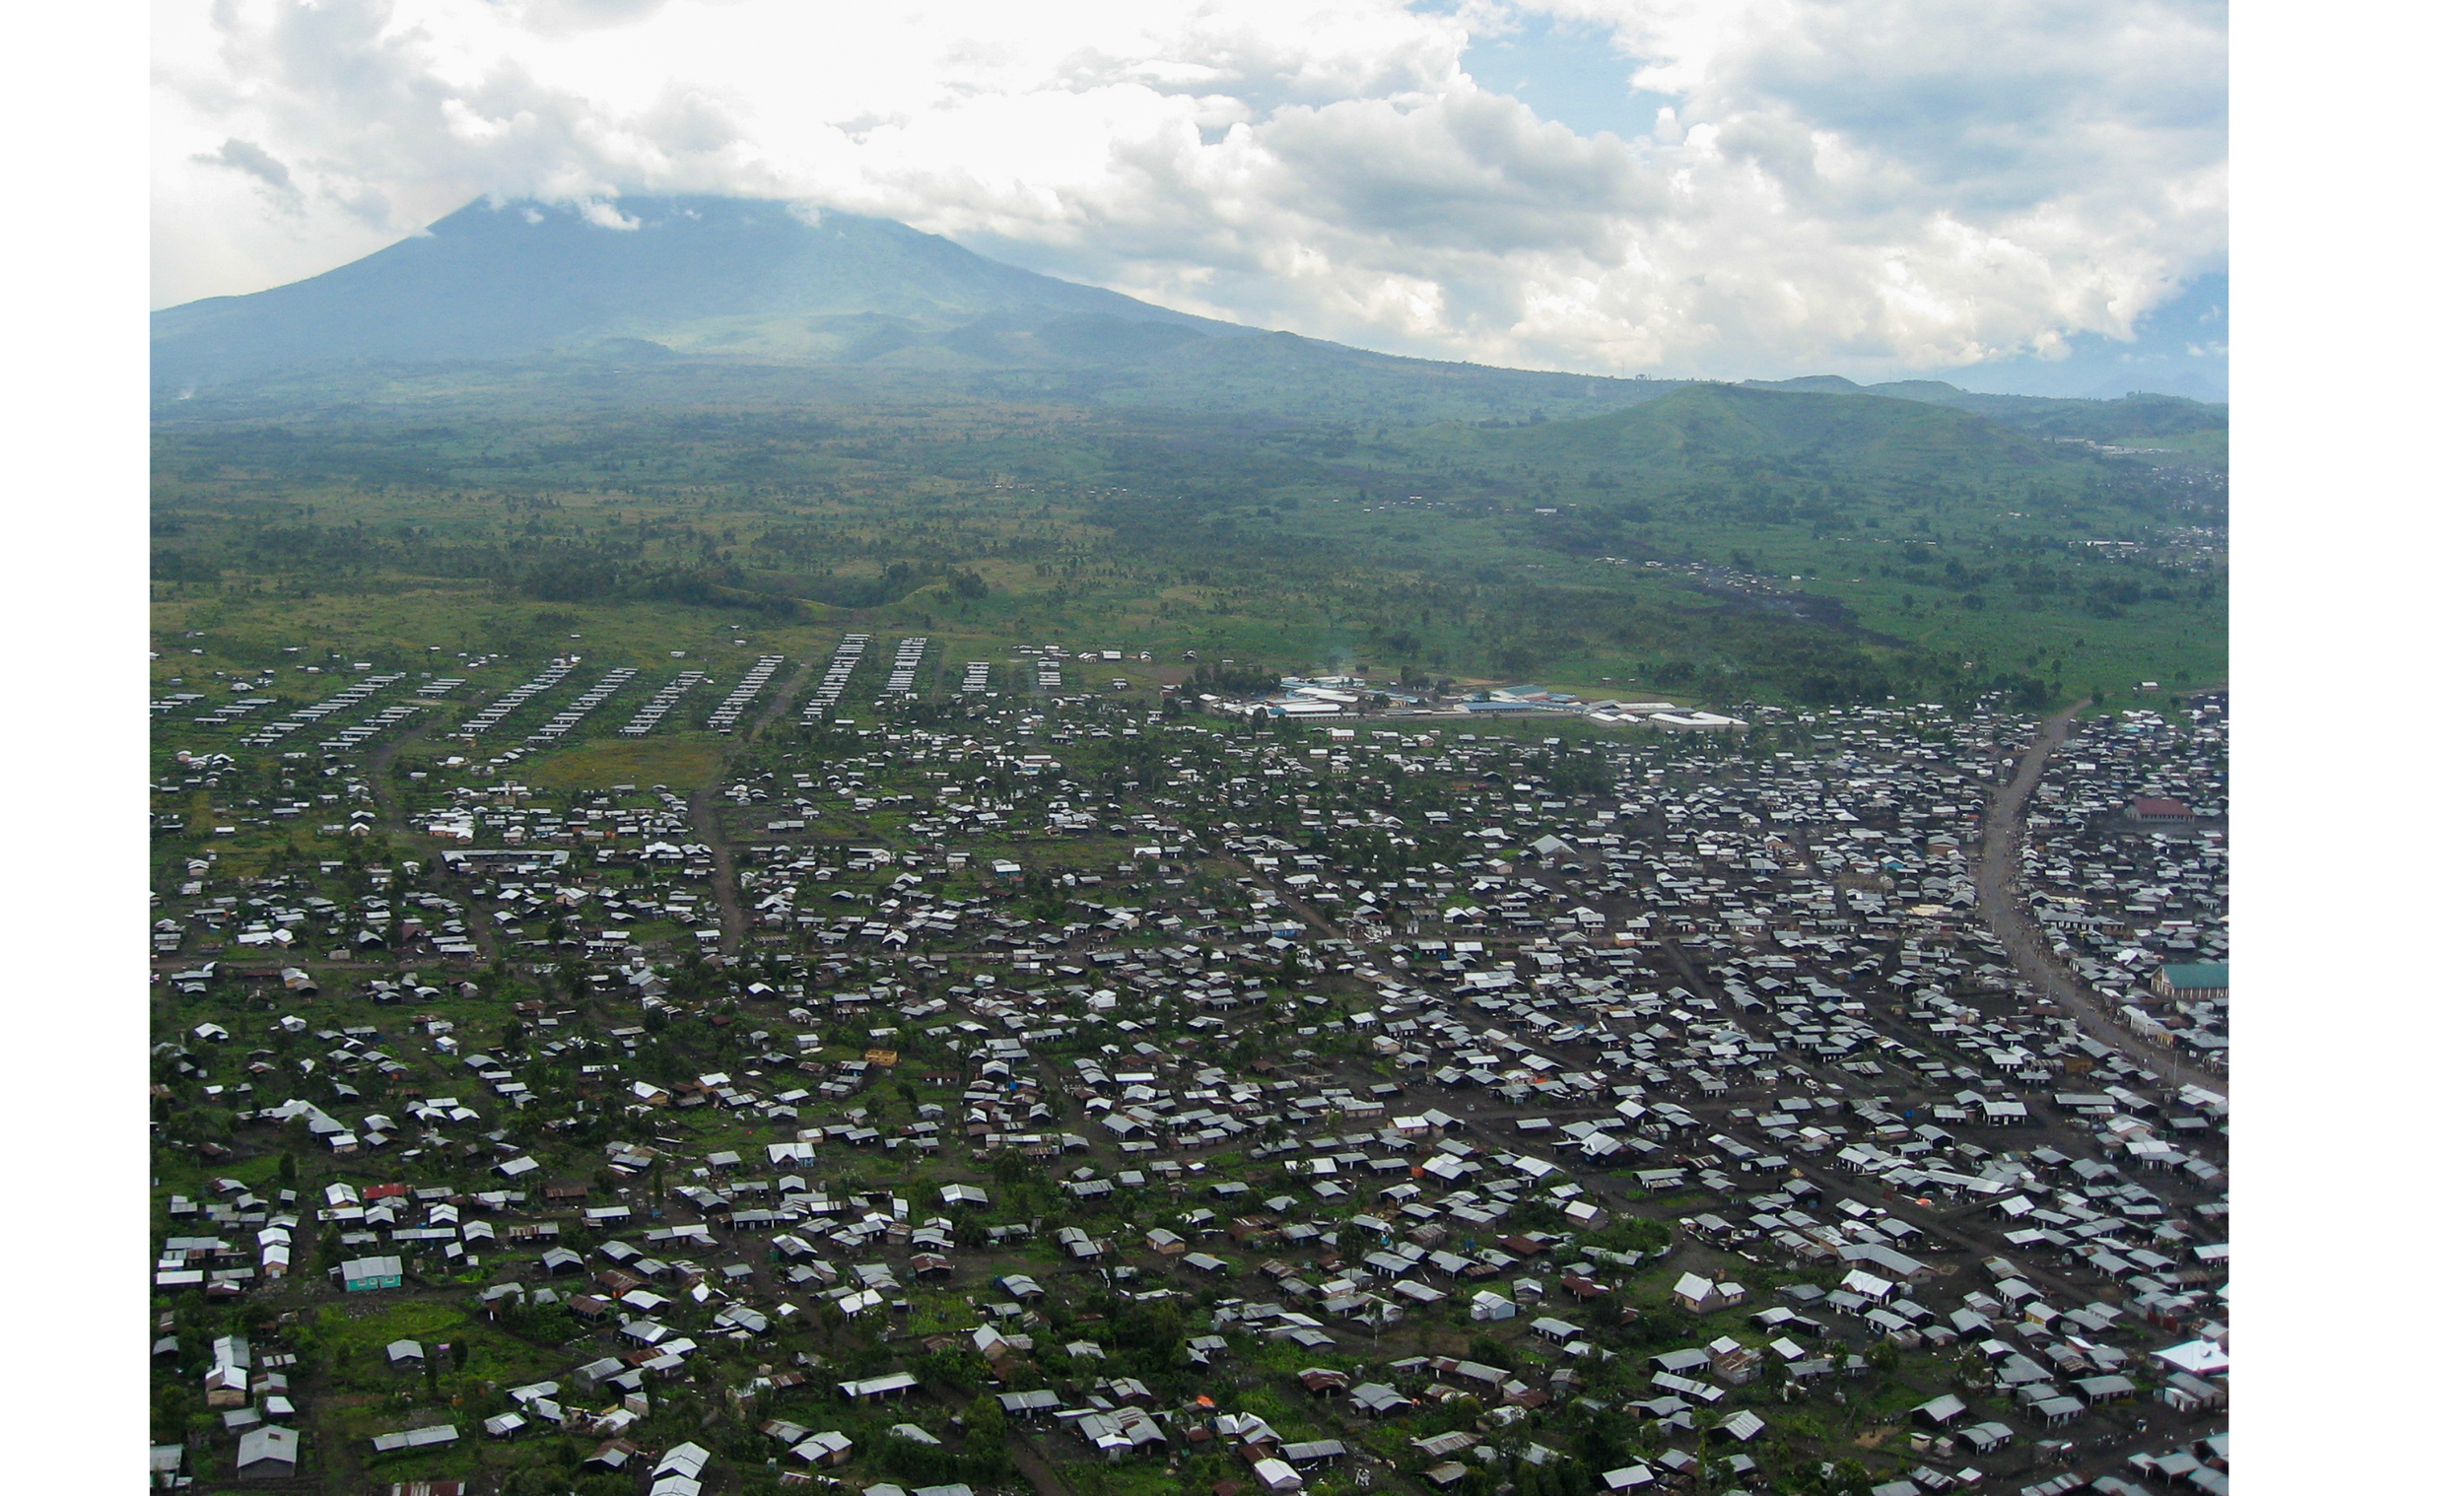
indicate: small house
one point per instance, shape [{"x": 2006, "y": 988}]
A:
[
  {"x": 268, "y": 1453},
  {"x": 1699, "y": 1295},
  {"x": 365, "y": 1274}
]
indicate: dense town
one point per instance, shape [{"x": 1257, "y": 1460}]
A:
[{"x": 1077, "y": 1072}]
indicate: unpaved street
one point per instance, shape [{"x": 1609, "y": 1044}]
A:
[{"x": 2005, "y": 907}]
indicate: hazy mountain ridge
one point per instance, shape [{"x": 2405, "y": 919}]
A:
[{"x": 495, "y": 289}]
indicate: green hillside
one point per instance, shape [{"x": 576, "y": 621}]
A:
[{"x": 1714, "y": 544}]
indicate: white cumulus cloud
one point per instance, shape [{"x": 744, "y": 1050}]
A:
[{"x": 1827, "y": 185}]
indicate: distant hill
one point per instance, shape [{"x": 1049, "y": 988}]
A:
[{"x": 2098, "y": 420}]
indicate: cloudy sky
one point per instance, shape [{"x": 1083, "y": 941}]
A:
[{"x": 1714, "y": 187}]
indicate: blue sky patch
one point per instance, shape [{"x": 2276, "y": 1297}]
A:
[{"x": 1568, "y": 72}]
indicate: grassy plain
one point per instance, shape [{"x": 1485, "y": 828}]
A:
[{"x": 627, "y": 760}]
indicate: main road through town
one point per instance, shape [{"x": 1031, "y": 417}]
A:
[{"x": 1999, "y": 895}]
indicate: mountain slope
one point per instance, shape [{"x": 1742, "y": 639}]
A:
[{"x": 696, "y": 273}]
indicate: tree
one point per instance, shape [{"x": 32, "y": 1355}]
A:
[
  {"x": 987, "y": 1438},
  {"x": 1599, "y": 1445}
]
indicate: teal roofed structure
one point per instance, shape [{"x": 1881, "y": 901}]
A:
[{"x": 2203, "y": 979}]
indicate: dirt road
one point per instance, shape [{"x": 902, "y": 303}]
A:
[
  {"x": 2005, "y": 907},
  {"x": 702, "y": 811}
]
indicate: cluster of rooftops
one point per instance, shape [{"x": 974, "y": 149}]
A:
[{"x": 1520, "y": 991}]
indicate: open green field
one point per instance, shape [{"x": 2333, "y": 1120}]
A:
[{"x": 599, "y": 765}]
